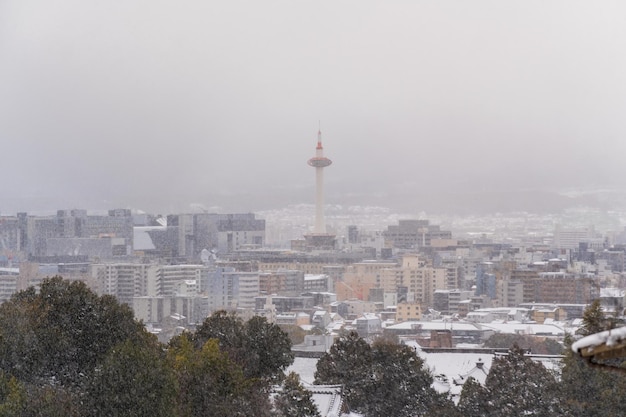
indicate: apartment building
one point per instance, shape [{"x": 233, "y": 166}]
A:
[
  {"x": 421, "y": 281},
  {"x": 360, "y": 277},
  {"x": 282, "y": 282},
  {"x": 224, "y": 233},
  {"x": 413, "y": 234},
  {"x": 408, "y": 312}
]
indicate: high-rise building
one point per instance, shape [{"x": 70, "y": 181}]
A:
[
  {"x": 282, "y": 282},
  {"x": 413, "y": 234},
  {"x": 565, "y": 238},
  {"x": 126, "y": 280},
  {"x": 223, "y": 233},
  {"x": 229, "y": 289},
  {"x": 73, "y": 234}
]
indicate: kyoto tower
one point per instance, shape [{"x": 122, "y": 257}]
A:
[{"x": 319, "y": 162}]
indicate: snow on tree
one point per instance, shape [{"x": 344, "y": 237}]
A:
[
  {"x": 587, "y": 390},
  {"x": 294, "y": 400},
  {"x": 384, "y": 379},
  {"x": 515, "y": 386}
]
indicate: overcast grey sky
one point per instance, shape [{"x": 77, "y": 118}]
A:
[{"x": 158, "y": 104}]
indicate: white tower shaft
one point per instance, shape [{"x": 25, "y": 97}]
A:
[
  {"x": 320, "y": 222},
  {"x": 319, "y": 162}
]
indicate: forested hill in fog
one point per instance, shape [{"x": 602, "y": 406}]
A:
[{"x": 396, "y": 199}]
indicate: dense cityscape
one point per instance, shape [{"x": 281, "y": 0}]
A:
[
  {"x": 178, "y": 238},
  {"x": 203, "y": 262},
  {"x": 446, "y": 294}
]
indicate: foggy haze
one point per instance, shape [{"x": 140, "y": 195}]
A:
[{"x": 157, "y": 105}]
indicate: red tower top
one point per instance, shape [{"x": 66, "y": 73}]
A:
[{"x": 319, "y": 160}]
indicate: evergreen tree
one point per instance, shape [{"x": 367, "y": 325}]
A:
[
  {"x": 13, "y": 397},
  {"x": 65, "y": 351},
  {"x": 262, "y": 349},
  {"x": 295, "y": 333},
  {"x": 592, "y": 391},
  {"x": 443, "y": 407},
  {"x": 538, "y": 345},
  {"x": 385, "y": 379},
  {"x": 224, "y": 327},
  {"x": 594, "y": 320},
  {"x": 210, "y": 384},
  {"x": 68, "y": 349},
  {"x": 269, "y": 348},
  {"x": 348, "y": 363},
  {"x": 52, "y": 401},
  {"x": 516, "y": 385},
  {"x": 133, "y": 381},
  {"x": 474, "y": 401},
  {"x": 18, "y": 399},
  {"x": 60, "y": 334},
  {"x": 294, "y": 400},
  {"x": 400, "y": 383}
]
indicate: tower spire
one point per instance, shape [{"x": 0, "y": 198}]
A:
[{"x": 319, "y": 135}]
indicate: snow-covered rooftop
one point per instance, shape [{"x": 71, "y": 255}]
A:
[
  {"x": 304, "y": 367},
  {"x": 432, "y": 325},
  {"x": 327, "y": 398},
  {"x": 612, "y": 292},
  {"x": 608, "y": 337},
  {"x": 314, "y": 277},
  {"x": 525, "y": 328}
]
